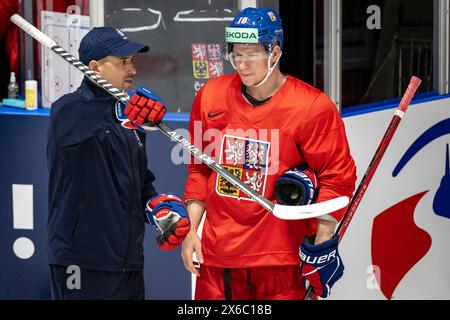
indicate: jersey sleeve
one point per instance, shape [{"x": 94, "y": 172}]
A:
[
  {"x": 198, "y": 173},
  {"x": 325, "y": 149}
]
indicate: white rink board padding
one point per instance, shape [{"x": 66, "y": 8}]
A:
[{"x": 409, "y": 241}]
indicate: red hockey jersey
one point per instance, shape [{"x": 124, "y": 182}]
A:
[{"x": 298, "y": 125}]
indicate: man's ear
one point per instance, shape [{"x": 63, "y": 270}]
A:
[
  {"x": 276, "y": 52},
  {"x": 93, "y": 65}
]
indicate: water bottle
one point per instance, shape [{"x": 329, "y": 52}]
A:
[{"x": 13, "y": 87}]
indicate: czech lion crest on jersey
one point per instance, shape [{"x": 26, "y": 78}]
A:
[{"x": 247, "y": 159}]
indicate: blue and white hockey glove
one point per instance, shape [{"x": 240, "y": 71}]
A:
[
  {"x": 145, "y": 106},
  {"x": 296, "y": 187},
  {"x": 168, "y": 214},
  {"x": 321, "y": 265}
]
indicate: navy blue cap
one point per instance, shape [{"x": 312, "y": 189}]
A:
[{"x": 101, "y": 42}]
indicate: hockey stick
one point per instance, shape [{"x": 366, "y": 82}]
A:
[
  {"x": 280, "y": 211},
  {"x": 370, "y": 171}
]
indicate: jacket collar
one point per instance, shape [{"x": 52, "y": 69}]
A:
[{"x": 97, "y": 92}]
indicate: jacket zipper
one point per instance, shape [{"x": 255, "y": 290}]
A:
[{"x": 130, "y": 203}]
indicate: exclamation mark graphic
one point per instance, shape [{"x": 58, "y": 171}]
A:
[{"x": 23, "y": 218}]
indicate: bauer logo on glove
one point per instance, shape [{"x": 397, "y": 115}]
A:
[
  {"x": 296, "y": 187},
  {"x": 168, "y": 214}
]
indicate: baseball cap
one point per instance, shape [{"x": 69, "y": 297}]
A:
[{"x": 101, "y": 42}]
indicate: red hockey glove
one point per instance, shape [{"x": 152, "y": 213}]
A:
[
  {"x": 145, "y": 106},
  {"x": 168, "y": 214}
]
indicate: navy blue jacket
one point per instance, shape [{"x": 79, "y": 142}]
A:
[{"x": 98, "y": 184}]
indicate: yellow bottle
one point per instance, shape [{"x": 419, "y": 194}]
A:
[{"x": 31, "y": 95}]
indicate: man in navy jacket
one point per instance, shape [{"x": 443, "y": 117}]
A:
[{"x": 99, "y": 184}]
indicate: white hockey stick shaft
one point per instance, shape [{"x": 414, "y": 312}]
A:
[{"x": 280, "y": 211}]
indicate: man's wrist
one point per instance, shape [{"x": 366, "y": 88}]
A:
[
  {"x": 322, "y": 238},
  {"x": 325, "y": 231}
]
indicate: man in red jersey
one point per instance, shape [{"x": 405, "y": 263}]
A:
[{"x": 269, "y": 123}]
